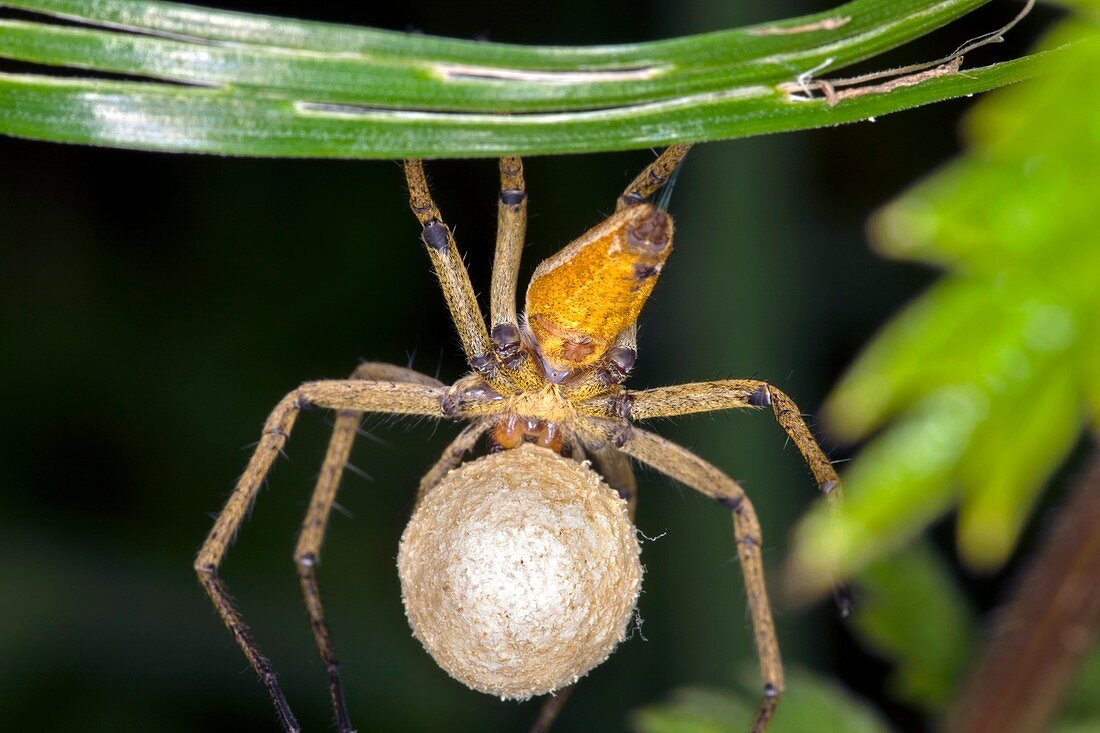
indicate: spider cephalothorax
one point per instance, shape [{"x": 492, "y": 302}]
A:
[{"x": 520, "y": 569}]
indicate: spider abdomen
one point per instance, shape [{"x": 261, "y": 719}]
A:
[{"x": 520, "y": 572}]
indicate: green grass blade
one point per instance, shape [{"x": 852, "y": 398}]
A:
[
  {"x": 872, "y": 25},
  {"x": 233, "y": 121},
  {"x": 304, "y": 60}
]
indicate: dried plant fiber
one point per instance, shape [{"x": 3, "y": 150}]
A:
[{"x": 520, "y": 572}]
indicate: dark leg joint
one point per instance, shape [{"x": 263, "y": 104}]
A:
[
  {"x": 749, "y": 541},
  {"x": 483, "y": 364},
  {"x": 630, "y": 199},
  {"x": 307, "y": 560},
  {"x": 513, "y": 197},
  {"x": 301, "y": 402},
  {"x": 436, "y": 235},
  {"x": 732, "y": 503},
  {"x": 506, "y": 345},
  {"x": 828, "y": 487},
  {"x": 760, "y": 397},
  {"x": 622, "y": 434},
  {"x": 770, "y": 690},
  {"x": 621, "y": 406},
  {"x": 617, "y": 365},
  {"x": 450, "y": 404}
]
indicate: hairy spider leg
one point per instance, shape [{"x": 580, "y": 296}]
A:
[
  {"x": 452, "y": 457},
  {"x": 514, "y": 357},
  {"x": 616, "y": 469},
  {"x": 691, "y": 470},
  {"x": 453, "y": 277},
  {"x": 655, "y": 175},
  {"x": 511, "y": 232},
  {"x": 383, "y": 397},
  {"x": 737, "y": 394},
  {"x": 307, "y": 554},
  {"x": 550, "y": 709}
]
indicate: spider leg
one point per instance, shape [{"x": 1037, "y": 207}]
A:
[
  {"x": 451, "y": 458},
  {"x": 550, "y": 709},
  {"x": 655, "y": 175},
  {"x": 693, "y": 471},
  {"x": 409, "y": 399},
  {"x": 617, "y": 471},
  {"x": 511, "y": 230},
  {"x": 308, "y": 552},
  {"x": 733, "y": 394},
  {"x": 453, "y": 277},
  {"x": 513, "y": 358}
]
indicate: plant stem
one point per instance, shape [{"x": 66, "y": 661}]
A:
[{"x": 1045, "y": 629}]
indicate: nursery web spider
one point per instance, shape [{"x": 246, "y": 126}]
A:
[{"x": 552, "y": 378}]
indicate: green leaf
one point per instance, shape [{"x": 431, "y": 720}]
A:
[
  {"x": 899, "y": 483},
  {"x": 255, "y": 85},
  {"x": 911, "y": 611},
  {"x": 810, "y": 703},
  {"x": 696, "y": 710},
  {"x": 989, "y": 376},
  {"x": 328, "y": 63},
  {"x": 1026, "y": 437}
]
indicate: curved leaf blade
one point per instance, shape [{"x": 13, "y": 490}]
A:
[
  {"x": 872, "y": 24},
  {"x": 233, "y": 121}
]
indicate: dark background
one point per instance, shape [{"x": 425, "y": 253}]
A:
[{"x": 153, "y": 308}]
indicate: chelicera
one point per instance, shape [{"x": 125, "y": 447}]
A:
[{"x": 520, "y": 568}]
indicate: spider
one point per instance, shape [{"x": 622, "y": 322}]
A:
[{"x": 546, "y": 390}]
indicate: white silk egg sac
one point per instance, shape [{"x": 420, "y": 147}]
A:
[{"x": 520, "y": 572}]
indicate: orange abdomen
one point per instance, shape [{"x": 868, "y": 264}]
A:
[{"x": 587, "y": 294}]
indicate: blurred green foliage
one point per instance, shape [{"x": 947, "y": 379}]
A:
[
  {"x": 1081, "y": 710},
  {"x": 982, "y": 386},
  {"x": 911, "y": 611},
  {"x": 811, "y": 703},
  {"x": 983, "y": 383}
]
